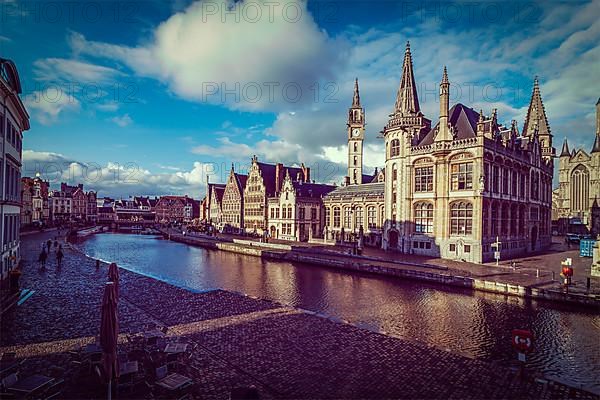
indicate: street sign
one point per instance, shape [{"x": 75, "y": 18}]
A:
[{"x": 522, "y": 340}]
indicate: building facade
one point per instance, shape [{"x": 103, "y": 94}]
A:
[
  {"x": 296, "y": 212},
  {"x": 14, "y": 120},
  {"x": 264, "y": 181},
  {"x": 232, "y": 203},
  {"x": 61, "y": 206},
  {"x": 358, "y": 206},
  {"x": 91, "y": 212},
  {"x": 215, "y": 210},
  {"x": 457, "y": 189},
  {"x": 578, "y": 185},
  {"x": 26, "y": 201},
  {"x": 177, "y": 209}
]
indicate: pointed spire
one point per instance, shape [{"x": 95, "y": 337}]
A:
[
  {"x": 481, "y": 120},
  {"x": 407, "y": 101},
  {"x": 596, "y": 146},
  {"x": 536, "y": 114},
  {"x": 356, "y": 97},
  {"x": 445, "y": 75},
  {"x": 565, "y": 149},
  {"x": 573, "y": 153}
]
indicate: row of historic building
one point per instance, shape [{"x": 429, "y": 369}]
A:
[{"x": 271, "y": 199}]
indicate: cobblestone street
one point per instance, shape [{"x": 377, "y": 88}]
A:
[{"x": 241, "y": 341}]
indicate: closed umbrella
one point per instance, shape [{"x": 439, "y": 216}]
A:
[
  {"x": 109, "y": 331},
  {"x": 113, "y": 276}
]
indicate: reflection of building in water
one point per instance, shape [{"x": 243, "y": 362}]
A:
[{"x": 578, "y": 187}]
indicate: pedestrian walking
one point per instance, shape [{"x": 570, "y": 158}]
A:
[
  {"x": 59, "y": 256},
  {"x": 42, "y": 258},
  {"x": 55, "y": 244},
  {"x": 49, "y": 245}
]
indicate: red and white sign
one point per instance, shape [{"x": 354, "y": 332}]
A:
[{"x": 522, "y": 340}]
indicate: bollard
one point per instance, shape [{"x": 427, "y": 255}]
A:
[
  {"x": 588, "y": 283},
  {"x": 537, "y": 273},
  {"x": 97, "y": 264},
  {"x": 553, "y": 276}
]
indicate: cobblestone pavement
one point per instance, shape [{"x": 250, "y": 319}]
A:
[{"x": 284, "y": 352}]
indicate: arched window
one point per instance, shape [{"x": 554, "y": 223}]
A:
[
  {"x": 290, "y": 212},
  {"x": 336, "y": 217},
  {"x": 371, "y": 217},
  {"x": 395, "y": 148},
  {"x": 423, "y": 217},
  {"x": 347, "y": 217},
  {"x": 355, "y": 147},
  {"x": 355, "y": 161},
  {"x": 580, "y": 189},
  {"x": 359, "y": 217},
  {"x": 461, "y": 218}
]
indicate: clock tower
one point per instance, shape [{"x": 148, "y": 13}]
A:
[{"x": 356, "y": 136}]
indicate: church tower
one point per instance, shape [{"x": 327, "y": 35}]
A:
[
  {"x": 356, "y": 136},
  {"x": 536, "y": 123},
  {"x": 596, "y": 146}
]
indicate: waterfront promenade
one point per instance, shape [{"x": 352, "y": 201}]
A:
[{"x": 284, "y": 352}]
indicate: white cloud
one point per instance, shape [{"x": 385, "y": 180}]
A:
[
  {"x": 47, "y": 105},
  {"x": 115, "y": 179},
  {"x": 73, "y": 71},
  {"x": 122, "y": 121},
  {"x": 201, "y": 54}
]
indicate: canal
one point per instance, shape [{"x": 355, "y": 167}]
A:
[{"x": 567, "y": 338}]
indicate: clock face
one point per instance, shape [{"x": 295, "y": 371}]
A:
[{"x": 356, "y": 132}]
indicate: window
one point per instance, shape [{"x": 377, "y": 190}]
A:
[
  {"x": 372, "y": 217},
  {"x": 395, "y": 148},
  {"x": 313, "y": 213},
  {"x": 355, "y": 161},
  {"x": 424, "y": 179},
  {"x": 423, "y": 218},
  {"x": 359, "y": 217},
  {"x": 301, "y": 213},
  {"x": 452, "y": 247},
  {"x": 495, "y": 179},
  {"x": 355, "y": 149},
  {"x": 327, "y": 216},
  {"x": 505, "y": 181},
  {"x": 290, "y": 212},
  {"x": 336, "y": 217},
  {"x": 515, "y": 183},
  {"x": 462, "y": 176},
  {"x": 467, "y": 248},
  {"x": 461, "y": 218},
  {"x": 347, "y": 217}
]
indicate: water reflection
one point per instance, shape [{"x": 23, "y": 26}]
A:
[{"x": 471, "y": 323}]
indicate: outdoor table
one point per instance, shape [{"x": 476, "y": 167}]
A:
[
  {"x": 130, "y": 367},
  {"x": 92, "y": 348},
  {"x": 153, "y": 334},
  {"x": 6, "y": 366},
  {"x": 31, "y": 384},
  {"x": 174, "y": 381},
  {"x": 176, "y": 348}
]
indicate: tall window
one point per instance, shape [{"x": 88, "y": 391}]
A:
[
  {"x": 336, "y": 217},
  {"x": 462, "y": 176},
  {"x": 495, "y": 179},
  {"x": 424, "y": 179},
  {"x": 395, "y": 151},
  {"x": 372, "y": 217},
  {"x": 423, "y": 218},
  {"x": 505, "y": 181},
  {"x": 301, "y": 213},
  {"x": 580, "y": 186},
  {"x": 347, "y": 217},
  {"x": 461, "y": 218},
  {"x": 327, "y": 216},
  {"x": 515, "y": 183},
  {"x": 359, "y": 217},
  {"x": 535, "y": 185}
]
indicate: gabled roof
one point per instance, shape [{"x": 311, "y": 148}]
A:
[
  {"x": 461, "y": 118},
  {"x": 219, "y": 192},
  {"x": 268, "y": 173},
  {"x": 241, "y": 181}
]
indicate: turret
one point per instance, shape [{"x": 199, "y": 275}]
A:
[
  {"x": 356, "y": 135},
  {"x": 596, "y": 146},
  {"x": 565, "y": 149},
  {"x": 443, "y": 129}
]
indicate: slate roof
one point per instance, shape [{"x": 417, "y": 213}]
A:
[
  {"x": 462, "y": 118},
  {"x": 316, "y": 190},
  {"x": 364, "y": 190},
  {"x": 219, "y": 192},
  {"x": 241, "y": 181}
]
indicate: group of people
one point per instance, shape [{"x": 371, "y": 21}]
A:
[{"x": 46, "y": 249}]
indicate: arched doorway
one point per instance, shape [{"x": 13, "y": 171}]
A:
[
  {"x": 393, "y": 239},
  {"x": 534, "y": 237}
]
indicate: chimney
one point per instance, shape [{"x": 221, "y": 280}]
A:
[{"x": 278, "y": 176}]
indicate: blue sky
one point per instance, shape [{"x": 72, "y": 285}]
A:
[{"x": 145, "y": 97}]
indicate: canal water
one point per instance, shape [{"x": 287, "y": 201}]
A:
[{"x": 567, "y": 338}]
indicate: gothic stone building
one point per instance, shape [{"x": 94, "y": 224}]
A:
[
  {"x": 232, "y": 204},
  {"x": 451, "y": 190},
  {"x": 296, "y": 212},
  {"x": 578, "y": 187},
  {"x": 359, "y": 204},
  {"x": 265, "y": 181}
]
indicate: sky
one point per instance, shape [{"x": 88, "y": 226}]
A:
[{"x": 147, "y": 97}]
